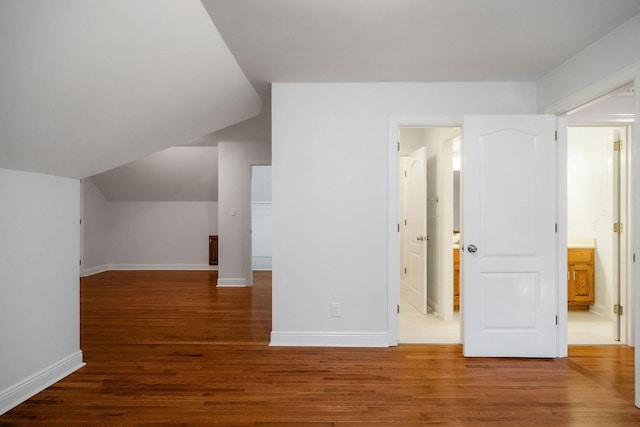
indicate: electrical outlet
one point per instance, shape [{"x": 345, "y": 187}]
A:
[{"x": 335, "y": 309}]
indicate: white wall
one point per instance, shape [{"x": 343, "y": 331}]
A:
[
  {"x": 234, "y": 209},
  {"x": 39, "y": 290},
  {"x": 144, "y": 235},
  {"x": 331, "y": 208},
  {"x": 95, "y": 229},
  {"x": 160, "y": 235}
]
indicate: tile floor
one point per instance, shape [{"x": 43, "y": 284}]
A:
[{"x": 415, "y": 328}]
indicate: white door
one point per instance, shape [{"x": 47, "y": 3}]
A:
[
  {"x": 508, "y": 278},
  {"x": 416, "y": 227}
]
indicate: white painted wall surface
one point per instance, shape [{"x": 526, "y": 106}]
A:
[
  {"x": 330, "y": 198},
  {"x": 162, "y": 235},
  {"x": 95, "y": 229},
  {"x": 39, "y": 288},
  {"x": 234, "y": 209}
]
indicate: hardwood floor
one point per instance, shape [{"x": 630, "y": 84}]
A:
[{"x": 169, "y": 348}]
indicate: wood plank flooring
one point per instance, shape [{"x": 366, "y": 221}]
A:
[{"x": 169, "y": 348}]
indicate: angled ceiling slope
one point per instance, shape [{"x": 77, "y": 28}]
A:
[
  {"x": 185, "y": 174},
  {"x": 88, "y": 85}
]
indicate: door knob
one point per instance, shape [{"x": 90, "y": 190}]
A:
[
  {"x": 420, "y": 238},
  {"x": 472, "y": 248}
]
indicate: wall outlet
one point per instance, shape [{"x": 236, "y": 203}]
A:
[{"x": 335, "y": 309}]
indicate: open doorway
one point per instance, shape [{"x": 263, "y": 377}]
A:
[
  {"x": 598, "y": 213},
  {"x": 261, "y": 217},
  {"x": 427, "y": 313}
]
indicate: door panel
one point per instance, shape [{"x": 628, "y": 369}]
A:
[
  {"x": 416, "y": 230},
  {"x": 509, "y": 281}
]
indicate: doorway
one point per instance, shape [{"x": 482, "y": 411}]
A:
[
  {"x": 598, "y": 213},
  {"x": 261, "y": 217},
  {"x": 437, "y": 322}
]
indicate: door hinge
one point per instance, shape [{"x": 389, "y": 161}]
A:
[
  {"x": 398, "y": 227},
  {"x": 398, "y": 308},
  {"x": 617, "y": 227},
  {"x": 617, "y": 145},
  {"x": 80, "y": 262},
  {"x": 617, "y": 309},
  {"x": 556, "y": 319},
  {"x": 556, "y": 135},
  {"x": 405, "y": 174},
  {"x": 405, "y": 270},
  {"x": 556, "y": 228},
  {"x": 398, "y": 145}
]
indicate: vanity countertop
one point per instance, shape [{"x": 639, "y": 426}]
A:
[{"x": 581, "y": 242}]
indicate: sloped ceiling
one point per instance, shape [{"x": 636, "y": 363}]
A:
[
  {"x": 174, "y": 174},
  {"x": 88, "y": 85}
]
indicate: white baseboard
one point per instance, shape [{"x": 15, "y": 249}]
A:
[
  {"x": 433, "y": 306},
  {"x": 600, "y": 310},
  {"x": 231, "y": 283},
  {"x": 18, "y": 393},
  {"x": 162, "y": 267},
  {"x": 329, "y": 339},
  {"x": 94, "y": 270},
  {"x": 261, "y": 263}
]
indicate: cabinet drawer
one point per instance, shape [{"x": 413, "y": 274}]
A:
[{"x": 580, "y": 255}]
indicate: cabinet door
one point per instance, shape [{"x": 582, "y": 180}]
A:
[{"x": 581, "y": 291}]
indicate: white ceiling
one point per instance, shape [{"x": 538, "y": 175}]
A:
[
  {"x": 87, "y": 85},
  {"x": 409, "y": 40}
]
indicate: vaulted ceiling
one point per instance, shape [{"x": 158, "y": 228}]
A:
[{"x": 89, "y": 85}]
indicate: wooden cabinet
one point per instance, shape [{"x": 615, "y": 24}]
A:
[
  {"x": 456, "y": 280},
  {"x": 581, "y": 278}
]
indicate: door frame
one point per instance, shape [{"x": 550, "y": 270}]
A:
[
  {"x": 393, "y": 280},
  {"x": 608, "y": 84},
  {"x": 248, "y": 167},
  {"x": 561, "y": 108}
]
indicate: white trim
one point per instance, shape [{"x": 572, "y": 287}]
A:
[
  {"x": 94, "y": 270},
  {"x": 30, "y": 386},
  {"x": 329, "y": 339},
  {"x": 232, "y": 283},
  {"x": 561, "y": 219},
  {"x": 262, "y": 262},
  {"x": 162, "y": 267}
]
